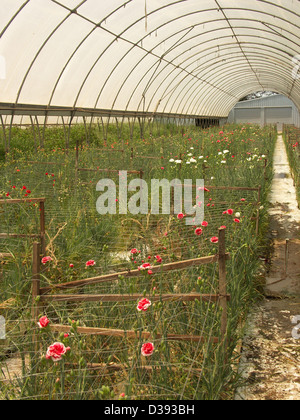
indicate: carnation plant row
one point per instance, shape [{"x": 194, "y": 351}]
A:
[
  {"x": 291, "y": 135},
  {"x": 130, "y": 306}
]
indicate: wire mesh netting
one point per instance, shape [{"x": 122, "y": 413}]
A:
[{"x": 99, "y": 321}]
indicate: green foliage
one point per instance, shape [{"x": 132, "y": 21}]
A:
[
  {"x": 76, "y": 233},
  {"x": 291, "y": 137}
]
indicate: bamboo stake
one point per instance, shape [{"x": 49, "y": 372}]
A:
[
  {"x": 22, "y": 200},
  {"x": 5, "y": 255},
  {"x": 130, "y": 334},
  {"x": 43, "y": 228},
  {"x": 190, "y": 297},
  {"x": 36, "y": 261},
  {"x": 134, "y": 273},
  {"x": 102, "y": 367}
]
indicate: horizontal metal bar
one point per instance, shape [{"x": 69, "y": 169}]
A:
[{"x": 40, "y": 110}]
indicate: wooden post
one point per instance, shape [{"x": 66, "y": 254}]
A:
[
  {"x": 42, "y": 228},
  {"x": 222, "y": 282},
  {"x": 172, "y": 209},
  {"x": 36, "y": 263},
  {"x": 257, "y": 212}
]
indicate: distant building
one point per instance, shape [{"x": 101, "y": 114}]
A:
[{"x": 276, "y": 109}]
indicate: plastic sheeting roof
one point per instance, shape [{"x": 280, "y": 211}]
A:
[{"x": 190, "y": 57}]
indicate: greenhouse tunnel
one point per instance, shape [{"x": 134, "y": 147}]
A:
[
  {"x": 72, "y": 61},
  {"x": 149, "y": 201}
]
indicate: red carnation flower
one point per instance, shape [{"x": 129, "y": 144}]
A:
[
  {"x": 143, "y": 305},
  {"x": 45, "y": 260},
  {"x": 158, "y": 259},
  {"x": 43, "y": 322},
  {"x": 90, "y": 263},
  {"x": 147, "y": 349}
]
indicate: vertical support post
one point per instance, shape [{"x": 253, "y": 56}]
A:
[
  {"x": 33, "y": 132},
  {"x": 172, "y": 209},
  {"x": 222, "y": 281},
  {"x": 4, "y": 135},
  {"x": 257, "y": 212},
  {"x": 141, "y": 178},
  {"x": 265, "y": 168},
  {"x": 43, "y": 227},
  {"x": 35, "y": 288},
  {"x": 76, "y": 160},
  {"x": 39, "y": 133}
]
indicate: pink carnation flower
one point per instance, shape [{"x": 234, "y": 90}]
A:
[
  {"x": 198, "y": 231},
  {"x": 56, "y": 352},
  {"x": 90, "y": 263},
  {"x": 143, "y": 305},
  {"x": 145, "y": 266},
  {"x": 45, "y": 260},
  {"x": 214, "y": 240}
]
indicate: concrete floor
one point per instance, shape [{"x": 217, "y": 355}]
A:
[{"x": 270, "y": 362}]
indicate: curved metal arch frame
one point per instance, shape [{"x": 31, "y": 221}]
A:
[
  {"x": 116, "y": 66},
  {"x": 120, "y": 37},
  {"x": 13, "y": 18},
  {"x": 110, "y": 44},
  {"x": 230, "y": 44},
  {"x": 177, "y": 57},
  {"x": 84, "y": 1},
  {"x": 234, "y": 77},
  {"x": 226, "y": 45},
  {"x": 282, "y": 71},
  {"x": 212, "y": 74},
  {"x": 238, "y": 19},
  {"x": 40, "y": 50}
]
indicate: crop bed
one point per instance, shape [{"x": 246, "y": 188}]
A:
[{"x": 79, "y": 243}]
